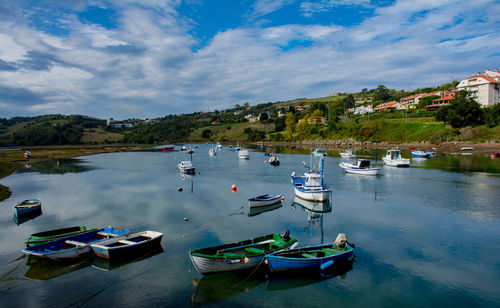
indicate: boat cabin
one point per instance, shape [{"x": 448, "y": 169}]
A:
[
  {"x": 186, "y": 164},
  {"x": 363, "y": 164},
  {"x": 393, "y": 154}
]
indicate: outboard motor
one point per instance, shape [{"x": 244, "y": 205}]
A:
[
  {"x": 341, "y": 240},
  {"x": 286, "y": 235}
]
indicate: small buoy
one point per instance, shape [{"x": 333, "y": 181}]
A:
[
  {"x": 246, "y": 260},
  {"x": 266, "y": 262},
  {"x": 185, "y": 219},
  {"x": 179, "y": 189},
  {"x": 282, "y": 198},
  {"x": 233, "y": 187}
]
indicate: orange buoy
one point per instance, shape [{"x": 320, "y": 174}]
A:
[{"x": 233, "y": 187}]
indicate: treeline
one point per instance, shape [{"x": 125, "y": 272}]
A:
[
  {"x": 45, "y": 130},
  {"x": 172, "y": 128}
]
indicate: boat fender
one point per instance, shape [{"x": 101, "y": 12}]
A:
[
  {"x": 246, "y": 260},
  {"x": 282, "y": 198},
  {"x": 327, "y": 265},
  {"x": 233, "y": 261},
  {"x": 295, "y": 245}
]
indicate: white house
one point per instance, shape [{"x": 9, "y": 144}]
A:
[{"x": 484, "y": 87}]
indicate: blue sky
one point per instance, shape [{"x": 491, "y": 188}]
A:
[{"x": 151, "y": 58}]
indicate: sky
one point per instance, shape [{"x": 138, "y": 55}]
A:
[{"x": 147, "y": 59}]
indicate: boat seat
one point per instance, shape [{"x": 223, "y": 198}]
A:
[
  {"x": 127, "y": 242},
  {"x": 254, "y": 250},
  {"x": 306, "y": 255},
  {"x": 106, "y": 234},
  {"x": 70, "y": 242}
]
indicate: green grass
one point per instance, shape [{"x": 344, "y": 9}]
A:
[{"x": 230, "y": 132}]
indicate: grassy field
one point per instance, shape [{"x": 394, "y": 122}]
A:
[
  {"x": 230, "y": 132},
  {"x": 99, "y": 135}
]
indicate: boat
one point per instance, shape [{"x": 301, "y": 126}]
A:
[
  {"x": 27, "y": 206},
  {"x": 122, "y": 246},
  {"x": 27, "y": 154},
  {"x": 467, "y": 149},
  {"x": 393, "y": 158},
  {"x": 495, "y": 155},
  {"x": 237, "y": 148},
  {"x": 431, "y": 153},
  {"x": 311, "y": 185},
  {"x": 243, "y": 154},
  {"x": 52, "y": 235},
  {"x": 116, "y": 263},
  {"x": 254, "y": 211},
  {"x": 183, "y": 148},
  {"x": 318, "y": 152},
  {"x": 360, "y": 166},
  {"x": 420, "y": 154},
  {"x": 212, "y": 152},
  {"x": 230, "y": 146},
  {"x": 241, "y": 255},
  {"x": 218, "y": 146},
  {"x": 186, "y": 166},
  {"x": 168, "y": 148},
  {"x": 26, "y": 217},
  {"x": 274, "y": 161},
  {"x": 190, "y": 151},
  {"x": 347, "y": 154},
  {"x": 74, "y": 246},
  {"x": 265, "y": 200},
  {"x": 318, "y": 257}
]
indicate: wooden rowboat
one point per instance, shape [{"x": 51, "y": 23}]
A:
[
  {"x": 52, "y": 235},
  {"x": 264, "y": 200},
  {"x": 311, "y": 257},
  {"x": 74, "y": 246},
  {"x": 246, "y": 254},
  {"x": 27, "y": 206},
  {"x": 123, "y": 246}
]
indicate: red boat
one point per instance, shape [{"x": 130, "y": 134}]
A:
[
  {"x": 411, "y": 148},
  {"x": 495, "y": 155}
]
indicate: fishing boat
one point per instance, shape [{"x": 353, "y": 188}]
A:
[
  {"x": 420, "y": 154},
  {"x": 311, "y": 185},
  {"x": 27, "y": 206},
  {"x": 243, "y": 154},
  {"x": 74, "y": 246},
  {"x": 360, "y": 166},
  {"x": 122, "y": 246},
  {"x": 212, "y": 152},
  {"x": 52, "y": 235},
  {"x": 318, "y": 152},
  {"x": 274, "y": 161},
  {"x": 237, "y": 148},
  {"x": 241, "y": 255},
  {"x": 264, "y": 200},
  {"x": 393, "y": 158},
  {"x": 218, "y": 146},
  {"x": 183, "y": 148},
  {"x": 186, "y": 167},
  {"x": 318, "y": 257},
  {"x": 431, "y": 153},
  {"x": 347, "y": 154}
]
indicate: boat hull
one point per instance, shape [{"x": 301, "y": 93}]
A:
[
  {"x": 52, "y": 235},
  {"x": 279, "y": 261},
  {"x": 399, "y": 163},
  {"x": 26, "y": 207},
  {"x": 187, "y": 170},
  {"x": 312, "y": 195},
  {"x": 254, "y": 202},
  {"x": 122, "y": 247},
  {"x": 355, "y": 170}
]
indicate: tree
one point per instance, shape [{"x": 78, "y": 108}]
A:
[
  {"x": 290, "y": 124},
  {"x": 425, "y": 101},
  {"x": 206, "y": 134},
  {"x": 279, "y": 124},
  {"x": 462, "y": 111},
  {"x": 316, "y": 116},
  {"x": 381, "y": 93},
  {"x": 348, "y": 101},
  {"x": 492, "y": 115}
]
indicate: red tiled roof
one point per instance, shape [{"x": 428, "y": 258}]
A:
[
  {"x": 446, "y": 98},
  {"x": 487, "y": 78}
]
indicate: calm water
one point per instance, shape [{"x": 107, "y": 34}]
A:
[{"x": 425, "y": 236}]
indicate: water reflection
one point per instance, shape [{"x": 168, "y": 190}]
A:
[
  {"x": 108, "y": 265},
  {"x": 43, "y": 269},
  {"x": 253, "y": 211},
  {"x": 56, "y": 166},
  {"x": 26, "y": 217},
  {"x": 314, "y": 212},
  {"x": 188, "y": 178}
]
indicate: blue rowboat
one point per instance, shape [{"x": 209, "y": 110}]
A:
[
  {"x": 420, "y": 154},
  {"x": 121, "y": 247},
  {"x": 264, "y": 200},
  {"x": 311, "y": 257},
  {"x": 27, "y": 206},
  {"x": 75, "y": 246}
]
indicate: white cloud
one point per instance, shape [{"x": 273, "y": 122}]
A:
[
  {"x": 264, "y": 7},
  {"x": 11, "y": 51}
]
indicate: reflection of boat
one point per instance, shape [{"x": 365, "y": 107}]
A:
[
  {"x": 239, "y": 255},
  {"x": 253, "y": 211},
  {"x": 212, "y": 152},
  {"x": 420, "y": 154},
  {"x": 211, "y": 289},
  {"x": 122, "y": 246},
  {"x": 495, "y": 155},
  {"x": 111, "y": 264},
  {"x": 318, "y": 152},
  {"x": 361, "y": 166},
  {"x": 43, "y": 269},
  {"x": 264, "y": 200},
  {"x": 310, "y": 257},
  {"x": 243, "y": 154},
  {"x": 316, "y": 207},
  {"x": 393, "y": 158},
  {"x": 27, "y": 206},
  {"x": 347, "y": 154},
  {"x": 311, "y": 186},
  {"x": 52, "y": 235},
  {"x": 27, "y": 154},
  {"x": 74, "y": 246},
  {"x": 24, "y": 218}
]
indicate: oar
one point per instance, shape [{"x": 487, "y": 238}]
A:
[{"x": 244, "y": 246}]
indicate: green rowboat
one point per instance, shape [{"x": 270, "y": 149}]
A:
[{"x": 52, "y": 235}]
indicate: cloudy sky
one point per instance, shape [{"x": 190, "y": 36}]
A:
[{"x": 151, "y": 58}]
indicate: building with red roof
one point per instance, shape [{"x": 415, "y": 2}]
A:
[{"x": 484, "y": 87}]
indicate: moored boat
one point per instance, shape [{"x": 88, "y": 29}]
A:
[
  {"x": 243, "y": 154},
  {"x": 393, "y": 158},
  {"x": 274, "y": 161},
  {"x": 311, "y": 186},
  {"x": 361, "y": 166},
  {"x": 27, "y": 206},
  {"x": 74, "y": 246},
  {"x": 186, "y": 167},
  {"x": 241, "y": 255},
  {"x": 347, "y": 154},
  {"x": 318, "y": 257},
  {"x": 420, "y": 154},
  {"x": 318, "y": 152},
  {"x": 212, "y": 152},
  {"x": 52, "y": 235},
  {"x": 265, "y": 200},
  {"x": 121, "y": 247}
]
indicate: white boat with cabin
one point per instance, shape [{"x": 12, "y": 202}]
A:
[
  {"x": 243, "y": 154},
  {"x": 361, "y": 166},
  {"x": 311, "y": 185},
  {"x": 393, "y": 158}
]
